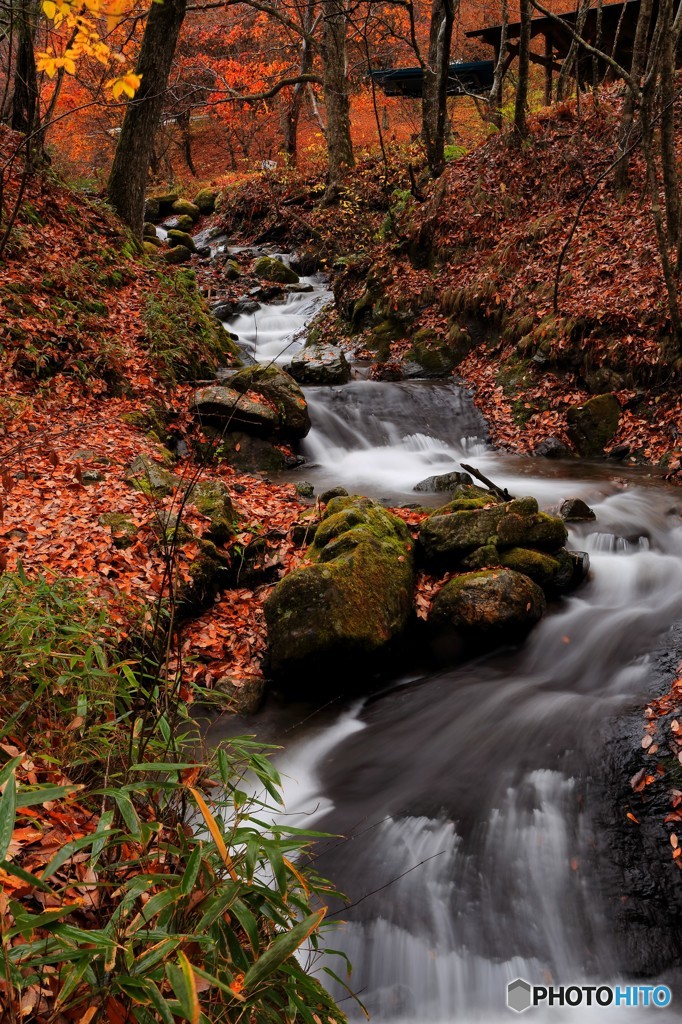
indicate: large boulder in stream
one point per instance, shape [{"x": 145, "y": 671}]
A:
[
  {"x": 479, "y": 610},
  {"x": 320, "y": 364},
  {"x": 455, "y": 531},
  {"x": 262, "y": 400},
  {"x": 344, "y": 610},
  {"x": 268, "y": 268}
]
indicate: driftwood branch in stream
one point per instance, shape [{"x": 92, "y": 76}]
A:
[{"x": 501, "y": 492}]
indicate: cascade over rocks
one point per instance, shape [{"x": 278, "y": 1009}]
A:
[{"x": 349, "y": 605}]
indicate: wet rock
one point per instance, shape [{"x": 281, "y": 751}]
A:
[
  {"x": 223, "y": 405},
  {"x": 574, "y": 568},
  {"x": 349, "y": 605},
  {"x": 181, "y": 238},
  {"x": 178, "y": 254},
  {"x": 152, "y": 210},
  {"x": 148, "y": 230},
  {"x": 223, "y": 310},
  {"x": 453, "y": 532},
  {"x": 231, "y": 270},
  {"x": 278, "y": 388},
  {"x": 209, "y": 573},
  {"x": 151, "y": 478},
  {"x": 575, "y": 510},
  {"x": 305, "y": 489},
  {"x": 593, "y": 424},
  {"x": 246, "y": 694},
  {"x": 553, "y": 448},
  {"x": 246, "y": 305},
  {"x": 254, "y": 454},
  {"x": 183, "y": 207},
  {"x": 333, "y": 492},
  {"x": 540, "y": 567},
  {"x": 443, "y": 482},
  {"x": 320, "y": 364},
  {"x": 270, "y": 269},
  {"x": 483, "y": 609},
  {"x": 205, "y": 200}
]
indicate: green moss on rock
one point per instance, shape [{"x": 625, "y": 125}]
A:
[
  {"x": 487, "y": 608},
  {"x": 351, "y": 602},
  {"x": 270, "y": 269},
  {"x": 212, "y": 499},
  {"x": 183, "y": 207},
  {"x": 592, "y": 425}
]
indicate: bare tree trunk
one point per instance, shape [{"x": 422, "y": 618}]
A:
[
  {"x": 128, "y": 177},
  {"x": 435, "y": 87},
  {"x": 293, "y": 114},
  {"x": 498, "y": 76},
  {"x": 520, "y": 120},
  {"x": 639, "y": 55},
  {"x": 668, "y": 150},
  {"x": 571, "y": 60},
  {"x": 336, "y": 100}
]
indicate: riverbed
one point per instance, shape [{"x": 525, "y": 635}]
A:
[{"x": 468, "y": 805}]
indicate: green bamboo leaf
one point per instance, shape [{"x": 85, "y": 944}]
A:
[
  {"x": 191, "y": 871},
  {"x": 9, "y": 768},
  {"x": 129, "y": 814},
  {"x": 8, "y": 814},
  {"x": 248, "y": 923},
  {"x": 284, "y": 946},
  {"x": 71, "y": 977},
  {"x": 153, "y": 907},
  {"x": 41, "y": 794},
  {"x": 68, "y": 851}
]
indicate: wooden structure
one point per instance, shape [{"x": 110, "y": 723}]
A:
[
  {"x": 474, "y": 78},
  {"x": 610, "y": 27}
]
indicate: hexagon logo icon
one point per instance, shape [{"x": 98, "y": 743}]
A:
[{"x": 518, "y": 995}]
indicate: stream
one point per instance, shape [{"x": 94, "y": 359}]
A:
[{"x": 469, "y": 804}]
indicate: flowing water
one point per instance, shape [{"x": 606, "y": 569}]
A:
[{"x": 469, "y": 802}]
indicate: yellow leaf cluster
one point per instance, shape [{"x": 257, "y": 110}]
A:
[{"x": 88, "y": 39}]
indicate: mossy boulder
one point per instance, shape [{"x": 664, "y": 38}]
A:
[
  {"x": 540, "y": 567},
  {"x": 270, "y": 269},
  {"x": 458, "y": 529},
  {"x": 337, "y": 616},
  {"x": 123, "y": 529},
  {"x": 183, "y": 208},
  {"x": 432, "y": 352},
  {"x": 575, "y": 510},
  {"x": 592, "y": 425},
  {"x": 212, "y": 499},
  {"x": 148, "y": 230},
  {"x": 150, "y": 248},
  {"x": 181, "y": 223},
  {"x": 178, "y": 254},
  {"x": 480, "y": 610},
  {"x": 176, "y": 237},
  {"x": 209, "y": 573},
  {"x": 245, "y": 693},
  {"x": 205, "y": 200},
  {"x": 320, "y": 364},
  {"x": 280, "y": 389},
  {"x": 151, "y": 478}
]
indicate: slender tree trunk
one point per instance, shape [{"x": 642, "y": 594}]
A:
[
  {"x": 128, "y": 178},
  {"x": 498, "y": 76},
  {"x": 570, "y": 65},
  {"x": 336, "y": 99},
  {"x": 639, "y": 57},
  {"x": 293, "y": 114},
  {"x": 520, "y": 119},
  {"x": 435, "y": 87},
  {"x": 668, "y": 149}
]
